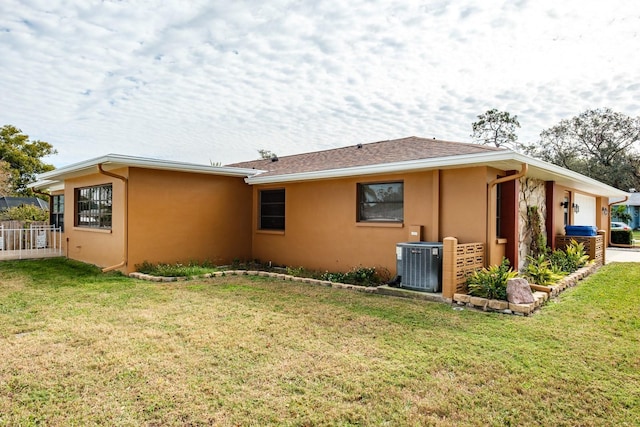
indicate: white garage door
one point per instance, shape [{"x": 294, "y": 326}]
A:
[{"x": 587, "y": 210}]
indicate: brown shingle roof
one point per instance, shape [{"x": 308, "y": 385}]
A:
[{"x": 392, "y": 151}]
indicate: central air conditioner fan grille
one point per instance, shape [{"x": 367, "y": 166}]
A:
[{"x": 420, "y": 265}]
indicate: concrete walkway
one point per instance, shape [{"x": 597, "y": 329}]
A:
[{"x": 622, "y": 255}]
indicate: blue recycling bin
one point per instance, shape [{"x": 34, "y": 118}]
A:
[{"x": 581, "y": 230}]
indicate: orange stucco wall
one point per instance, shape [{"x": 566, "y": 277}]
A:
[
  {"x": 100, "y": 247},
  {"x": 172, "y": 217},
  {"x": 182, "y": 217},
  {"x": 464, "y": 204},
  {"x": 322, "y": 233}
]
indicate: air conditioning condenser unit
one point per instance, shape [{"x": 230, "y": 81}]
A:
[{"x": 419, "y": 265}]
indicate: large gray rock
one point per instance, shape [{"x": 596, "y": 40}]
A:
[{"x": 519, "y": 291}]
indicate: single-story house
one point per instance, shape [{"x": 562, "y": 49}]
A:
[{"x": 327, "y": 210}]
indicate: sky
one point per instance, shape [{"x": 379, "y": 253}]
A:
[{"x": 215, "y": 81}]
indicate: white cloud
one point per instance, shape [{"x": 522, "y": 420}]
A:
[{"x": 200, "y": 81}]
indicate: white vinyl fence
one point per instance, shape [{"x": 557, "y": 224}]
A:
[{"x": 37, "y": 241}]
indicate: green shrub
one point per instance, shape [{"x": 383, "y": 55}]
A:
[
  {"x": 576, "y": 256},
  {"x": 24, "y": 213},
  {"x": 559, "y": 262},
  {"x": 570, "y": 259},
  {"x": 361, "y": 276},
  {"x": 541, "y": 272},
  {"x": 192, "y": 268},
  {"x": 491, "y": 283},
  {"x": 299, "y": 272},
  {"x": 622, "y": 237}
]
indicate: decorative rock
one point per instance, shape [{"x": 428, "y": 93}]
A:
[{"x": 519, "y": 291}]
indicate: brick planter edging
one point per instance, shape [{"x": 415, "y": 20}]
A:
[
  {"x": 380, "y": 290},
  {"x": 285, "y": 277},
  {"x": 540, "y": 297}
]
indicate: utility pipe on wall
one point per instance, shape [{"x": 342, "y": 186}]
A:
[
  {"x": 491, "y": 206},
  {"x": 125, "y": 250}
]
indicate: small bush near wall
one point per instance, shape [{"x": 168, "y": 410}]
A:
[
  {"x": 175, "y": 270},
  {"x": 491, "y": 283},
  {"x": 622, "y": 237},
  {"x": 361, "y": 276},
  {"x": 541, "y": 271},
  {"x": 569, "y": 259}
]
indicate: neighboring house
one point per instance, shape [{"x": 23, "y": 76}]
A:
[
  {"x": 632, "y": 205},
  {"x": 328, "y": 210},
  {"x": 14, "y": 202}
]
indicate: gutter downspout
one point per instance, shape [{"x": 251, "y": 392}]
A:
[
  {"x": 125, "y": 250},
  {"x": 616, "y": 245},
  {"x": 491, "y": 207}
]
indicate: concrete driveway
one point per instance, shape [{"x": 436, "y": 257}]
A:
[{"x": 622, "y": 255}]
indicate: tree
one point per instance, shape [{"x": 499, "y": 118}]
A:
[
  {"x": 496, "y": 128},
  {"x": 24, "y": 213},
  {"x": 5, "y": 179},
  {"x": 24, "y": 158},
  {"x": 267, "y": 154},
  {"x": 619, "y": 212},
  {"x": 598, "y": 143}
]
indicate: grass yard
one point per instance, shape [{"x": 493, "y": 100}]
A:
[{"x": 81, "y": 348}]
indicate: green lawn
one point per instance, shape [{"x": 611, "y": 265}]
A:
[{"x": 81, "y": 348}]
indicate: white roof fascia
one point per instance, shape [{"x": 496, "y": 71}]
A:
[
  {"x": 114, "y": 161},
  {"x": 380, "y": 168},
  {"x": 503, "y": 159},
  {"x": 581, "y": 182}
]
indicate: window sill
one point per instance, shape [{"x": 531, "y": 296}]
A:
[
  {"x": 272, "y": 232},
  {"x": 380, "y": 224},
  {"x": 94, "y": 230}
]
